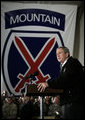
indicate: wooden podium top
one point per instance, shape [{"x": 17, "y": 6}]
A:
[{"x": 33, "y": 90}]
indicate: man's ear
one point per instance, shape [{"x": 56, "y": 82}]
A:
[{"x": 67, "y": 54}]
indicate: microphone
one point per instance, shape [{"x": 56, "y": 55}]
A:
[
  {"x": 32, "y": 75},
  {"x": 36, "y": 73}
]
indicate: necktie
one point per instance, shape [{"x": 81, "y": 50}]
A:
[{"x": 60, "y": 67}]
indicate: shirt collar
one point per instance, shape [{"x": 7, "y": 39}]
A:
[{"x": 62, "y": 64}]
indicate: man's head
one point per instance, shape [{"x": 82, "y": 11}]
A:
[{"x": 62, "y": 54}]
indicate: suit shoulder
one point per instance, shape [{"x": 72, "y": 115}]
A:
[{"x": 75, "y": 62}]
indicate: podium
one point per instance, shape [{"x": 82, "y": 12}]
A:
[{"x": 33, "y": 90}]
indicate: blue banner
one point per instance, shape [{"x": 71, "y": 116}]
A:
[{"x": 39, "y": 17}]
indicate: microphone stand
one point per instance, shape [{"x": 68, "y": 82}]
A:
[
  {"x": 31, "y": 80},
  {"x": 41, "y": 101}
]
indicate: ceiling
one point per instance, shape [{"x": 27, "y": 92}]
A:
[{"x": 79, "y": 3}]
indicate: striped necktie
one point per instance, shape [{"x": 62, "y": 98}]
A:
[{"x": 60, "y": 67}]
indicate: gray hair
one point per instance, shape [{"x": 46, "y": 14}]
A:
[{"x": 65, "y": 49}]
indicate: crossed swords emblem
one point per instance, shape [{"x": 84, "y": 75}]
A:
[{"x": 34, "y": 64}]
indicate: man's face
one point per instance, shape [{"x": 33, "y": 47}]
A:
[{"x": 61, "y": 56}]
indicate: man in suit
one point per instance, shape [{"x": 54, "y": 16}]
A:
[{"x": 71, "y": 81}]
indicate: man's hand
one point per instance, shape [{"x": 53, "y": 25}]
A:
[{"x": 41, "y": 86}]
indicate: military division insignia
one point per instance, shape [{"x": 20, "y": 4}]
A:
[{"x": 27, "y": 51}]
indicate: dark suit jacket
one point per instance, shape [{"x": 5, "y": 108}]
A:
[{"x": 71, "y": 80}]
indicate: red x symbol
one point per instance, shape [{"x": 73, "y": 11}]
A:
[{"x": 34, "y": 65}]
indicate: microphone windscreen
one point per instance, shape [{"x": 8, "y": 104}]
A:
[
  {"x": 28, "y": 76},
  {"x": 36, "y": 73}
]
